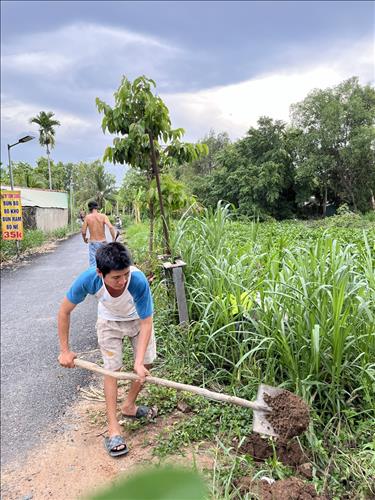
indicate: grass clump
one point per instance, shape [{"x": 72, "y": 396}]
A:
[{"x": 32, "y": 239}]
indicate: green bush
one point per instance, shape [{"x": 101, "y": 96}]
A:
[
  {"x": 34, "y": 238},
  {"x": 127, "y": 220},
  {"x": 369, "y": 216}
]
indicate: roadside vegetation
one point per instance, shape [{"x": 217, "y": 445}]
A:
[
  {"x": 290, "y": 304},
  {"x": 33, "y": 240},
  {"x": 271, "y": 299}
]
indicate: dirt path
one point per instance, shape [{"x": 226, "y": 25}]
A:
[
  {"x": 74, "y": 464},
  {"x": 35, "y": 390}
]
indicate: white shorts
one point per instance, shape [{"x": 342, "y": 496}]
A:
[{"x": 110, "y": 337}]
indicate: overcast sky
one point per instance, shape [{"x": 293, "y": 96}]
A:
[{"x": 217, "y": 65}]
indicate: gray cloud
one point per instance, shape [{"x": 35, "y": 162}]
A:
[{"x": 63, "y": 70}]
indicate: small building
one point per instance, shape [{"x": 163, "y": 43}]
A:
[{"x": 43, "y": 208}]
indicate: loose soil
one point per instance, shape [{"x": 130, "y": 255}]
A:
[
  {"x": 292, "y": 488},
  {"x": 72, "y": 463},
  {"x": 290, "y": 415},
  {"x": 289, "y": 453}
]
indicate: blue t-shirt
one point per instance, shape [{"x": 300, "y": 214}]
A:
[{"x": 135, "y": 301}]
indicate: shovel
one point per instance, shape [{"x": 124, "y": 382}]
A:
[{"x": 260, "y": 423}]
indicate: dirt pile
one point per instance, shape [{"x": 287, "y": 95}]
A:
[
  {"x": 290, "y": 415},
  {"x": 285, "y": 489},
  {"x": 289, "y": 453}
]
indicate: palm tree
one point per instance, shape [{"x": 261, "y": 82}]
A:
[
  {"x": 25, "y": 175},
  {"x": 31, "y": 179},
  {"x": 46, "y": 134},
  {"x": 97, "y": 185}
]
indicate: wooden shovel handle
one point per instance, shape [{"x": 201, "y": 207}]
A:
[{"x": 172, "y": 385}]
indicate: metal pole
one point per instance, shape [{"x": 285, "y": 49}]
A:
[
  {"x": 12, "y": 188},
  {"x": 71, "y": 204},
  {"x": 10, "y": 168}
]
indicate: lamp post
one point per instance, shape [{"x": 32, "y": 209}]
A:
[{"x": 26, "y": 138}]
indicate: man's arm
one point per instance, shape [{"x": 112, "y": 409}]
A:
[
  {"x": 66, "y": 357},
  {"x": 84, "y": 231},
  {"x": 110, "y": 227},
  {"x": 144, "y": 337}
]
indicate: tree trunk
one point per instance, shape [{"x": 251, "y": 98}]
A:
[
  {"x": 152, "y": 218},
  {"x": 49, "y": 168},
  {"x": 155, "y": 169},
  {"x": 347, "y": 181},
  {"x": 324, "y": 201},
  {"x": 372, "y": 199}
]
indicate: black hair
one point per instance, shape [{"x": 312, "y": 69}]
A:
[
  {"x": 112, "y": 257},
  {"x": 92, "y": 205}
]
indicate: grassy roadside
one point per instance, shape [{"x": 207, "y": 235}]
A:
[
  {"x": 340, "y": 443},
  {"x": 33, "y": 239}
]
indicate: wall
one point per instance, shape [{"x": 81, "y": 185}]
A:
[
  {"x": 48, "y": 219},
  {"x": 43, "y": 209}
]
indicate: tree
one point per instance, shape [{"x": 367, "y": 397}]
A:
[
  {"x": 4, "y": 174},
  {"x": 25, "y": 175},
  {"x": 142, "y": 121},
  {"x": 133, "y": 192},
  {"x": 256, "y": 173},
  {"x": 336, "y": 150},
  {"x": 94, "y": 184},
  {"x": 206, "y": 164},
  {"x": 46, "y": 125},
  {"x": 270, "y": 167},
  {"x": 60, "y": 173}
]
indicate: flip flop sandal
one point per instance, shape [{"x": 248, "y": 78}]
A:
[
  {"x": 143, "y": 412},
  {"x": 111, "y": 443}
]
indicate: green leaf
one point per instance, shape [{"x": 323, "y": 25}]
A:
[{"x": 158, "y": 484}]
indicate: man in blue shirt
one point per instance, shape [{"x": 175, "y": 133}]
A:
[{"x": 125, "y": 309}]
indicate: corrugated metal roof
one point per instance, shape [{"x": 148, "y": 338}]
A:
[{"x": 43, "y": 198}]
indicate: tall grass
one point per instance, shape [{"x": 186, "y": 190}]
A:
[{"x": 304, "y": 314}]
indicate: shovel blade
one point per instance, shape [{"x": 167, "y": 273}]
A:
[{"x": 260, "y": 422}]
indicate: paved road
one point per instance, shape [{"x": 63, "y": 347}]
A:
[{"x": 35, "y": 390}]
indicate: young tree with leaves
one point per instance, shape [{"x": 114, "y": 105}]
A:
[{"x": 143, "y": 123}]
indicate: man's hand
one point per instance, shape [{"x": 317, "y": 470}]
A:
[
  {"x": 86, "y": 240},
  {"x": 141, "y": 371},
  {"x": 66, "y": 359}
]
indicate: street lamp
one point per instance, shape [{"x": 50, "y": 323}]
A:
[{"x": 26, "y": 138}]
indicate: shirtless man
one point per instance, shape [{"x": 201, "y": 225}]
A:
[{"x": 95, "y": 222}]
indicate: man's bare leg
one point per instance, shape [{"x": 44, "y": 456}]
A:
[
  {"x": 129, "y": 407},
  {"x": 110, "y": 393}
]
